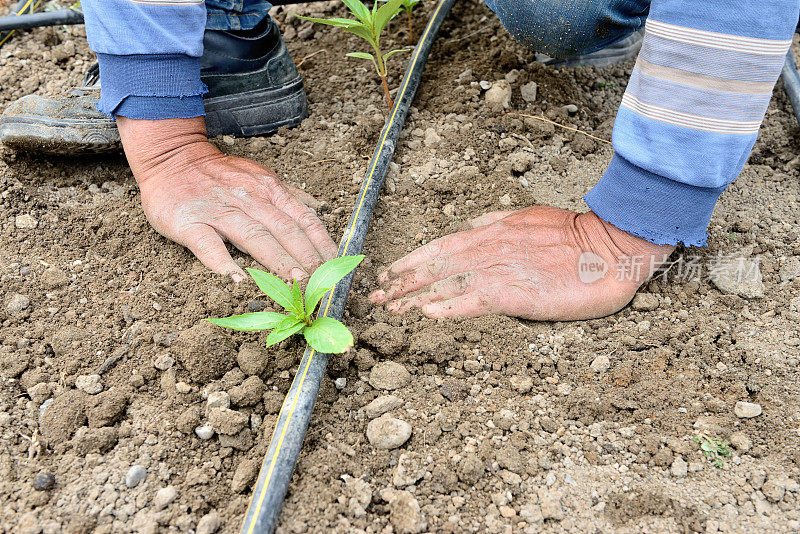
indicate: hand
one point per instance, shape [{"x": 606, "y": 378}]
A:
[
  {"x": 197, "y": 196},
  {"x": 538, "y": 263}
]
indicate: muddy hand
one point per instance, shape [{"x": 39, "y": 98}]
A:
[
  {"x": 195, "y": 195},
  {"x": 538, "y": 263}
]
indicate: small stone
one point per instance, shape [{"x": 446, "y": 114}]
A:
[
  {"x": 218, "y": 399},
  {"x": 571, "y": 109},
  {"x": 504, "y": 419},
  {"x": 485, "y": 85},
  {"x": 164, "y": 497},
  {"x": 738, "y": 276},
  {"x": 387, "y": 432},
  {"x": 44, "y": 481},
  {"x": 245, "y": 474},
  {"x": 449, "y": 210},
  {"x": 499, "y": 95},
  {"x": 226, "y": 421},
  {"x": 600, "y": 364},
  {"x": 741, "y": 441},
  {"x": 164, "y": 362},
  {"x": 89, "y": 384},
  {"x": 208, "y": 524},
  {"x": 644, "y": 302},
  {"x": 228, "y": 140},
  {"x": 381, "y": 405},
  {"x": 404, "y": 511},
  {"x": 408, "y": 470},
  {"x": 773, "y": 490},
  {"x": 465, "y": 77},
  {"x": 340, "y": 383},
  {"x": 183, "y": 388},
  {"x": 679, "y": 467},
  {"x": 505, "y": 200},
  {"x": 204, "y": 432},
  {"x": 747, "y": 410},
  {"x": 135, "y": 475},
  {"x": 432, "y": 138},
  {"x": 17, "y": 303},
  {"x": 512, "y": 76},
  {"x": 521, "y": 384},
  {"x": 25, "y": 222},
  {"x": 53, "y": 278},
  {"x": 388, "y": 375},
  {"x": 529, "y": 91}
]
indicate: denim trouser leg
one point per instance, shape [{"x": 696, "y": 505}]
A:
[
  {"x": 235, "y": 14},
  {"x": 566, "y": 28}
]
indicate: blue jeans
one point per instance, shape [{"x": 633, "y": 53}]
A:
[{"x": 559, "y": 28}]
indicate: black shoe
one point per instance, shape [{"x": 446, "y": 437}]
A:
[
  {"x": 253, "y": 89},
  {"x": 622, "y": 50}
]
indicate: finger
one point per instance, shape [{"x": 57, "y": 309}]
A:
[
  {"x": 288, "y": 233},
  {"x": 207, "y": 245},
  {"x": 446, "y": 289},
  {"x": 437, "y": 248},
  {"x": 303, "y": 197},
  {"x": 434, "y": 270},
  {"x": 285, "y": 199},
  {"x": 251, "y": 237},
  {"x": 473, "y": 304},
  {"x": 487, "y": 218}
]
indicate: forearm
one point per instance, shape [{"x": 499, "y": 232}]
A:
[{"x": 691, "y": 113}]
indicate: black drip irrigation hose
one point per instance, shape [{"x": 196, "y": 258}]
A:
[
  {"x": 36, "y": 20},
  {"x": 290, "y": 429},
  {"x": 20, "y": 8},
  {"x": 791, "y": 83}
]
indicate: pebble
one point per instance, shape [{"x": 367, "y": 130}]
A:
[
  {"x": 135, "y": 475},
  {"x": 601, "y": 364},
  {"x": 44, "y": 481},
  {"x": 404, "y": 511},
  {"x": 747, "y": 410},
  {"x": 773, "y": 490},
  {"x": 521, "y": 383},
  {"x": 529, "y": 91},
  {"x": 25, "y": 222},
  {"x": 465, "y": 77},
  {"x": 208, "y": 524},
  {"x": 679, "y": 468},
  {"x": 388, "y": 432},
  {"x": 571, "y": 109},
  {"x": 204, "y": 432},
  {"x": 644, "y": 302},
  {"x": 485, "y": 85},
  {"x": 164, "y": 362},
  {"x": 499, "y": 95},
  {"x": 738, "y": 276},
  {"x": 227, "y": 421},
  {"x": 218, "y": 399},
  {"x": 89, "y": 384},
  {"x": 431, "y": 137},
  {"x": 741, "y": 441},
  {"x": 388, "y": 375},
  {"x": 165, "y": 496},
  {"x": 340, "y": 383},
  {"x": 381, "y": 405},
  {"x": 17, "y": 303},
  {"x": 505, "y": 200}
]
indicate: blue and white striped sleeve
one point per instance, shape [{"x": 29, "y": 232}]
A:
[
  {"x": 149, "y": 54},
  {"x": 691, "y": 113}
]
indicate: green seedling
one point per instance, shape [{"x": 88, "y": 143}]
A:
[
  {"x": 324, "y": 334},
  {"x": 408, "y": 6},
  {"x": 715, "y": 450},
  {"x": 369, "y": 26}
]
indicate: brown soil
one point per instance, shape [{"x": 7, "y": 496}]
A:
[{"x": 512, "y": 429}]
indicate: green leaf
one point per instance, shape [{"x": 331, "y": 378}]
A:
[
  {"x": 297, "y": 299},
  {"x": 706, "y": 446},
  {"x": 290, "y": 325},
  {"x": 274, "y": 287},
  {"x": 328, "y": 335},
  {"x": 327, "y": 276},
  {"x": 339, "y": 23},
  {"x": 385, "y": 14},
  {"x": 250, "y": 322},
  {"x": 361, "y": 55},
  {"x": 362, "y": 32},
  {"x": 387, "y": 55},
  {"x": 359, "y": 10}
]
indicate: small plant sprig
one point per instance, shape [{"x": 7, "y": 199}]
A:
[
  {"x": 408, "y": 6},
  {"x": 715, "y": 450},
  {"x": 324, "y": 334},
  {"x": 369, "y": 26}
]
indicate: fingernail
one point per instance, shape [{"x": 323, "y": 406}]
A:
[
  {"x": 298, "y": 274},
  {"x": 377, "y": 296},
  {"x": 393, "y": 306},
  {"x": 236, "y": 277},
  {"x": 383, "y": 276}
]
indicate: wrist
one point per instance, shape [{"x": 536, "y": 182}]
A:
[{"x": 154, "y": 147}]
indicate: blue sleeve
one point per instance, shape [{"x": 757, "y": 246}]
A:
[
  {"x": 149, "y": 55},
  {"x": 691, "y": 113}
]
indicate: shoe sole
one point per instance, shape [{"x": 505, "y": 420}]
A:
[
  {"x": 258, "y": 112},
  {"x": 251, "y": 113}
]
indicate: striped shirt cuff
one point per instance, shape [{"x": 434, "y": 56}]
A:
[
  {"x": 143, "y": 86},
  {"x": 654, "y": 208}
]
